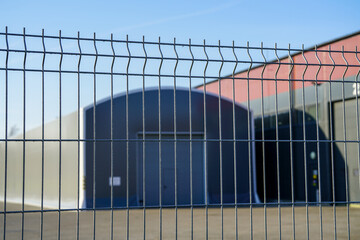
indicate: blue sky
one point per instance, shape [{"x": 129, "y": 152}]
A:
[{"x": 297, "y": 22}]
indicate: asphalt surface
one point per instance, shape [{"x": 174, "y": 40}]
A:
[{"x": 216, "y": 229}]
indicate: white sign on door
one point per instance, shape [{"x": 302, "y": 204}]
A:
[{"x": 116, "y": 181}]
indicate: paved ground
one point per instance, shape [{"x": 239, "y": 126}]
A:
[{"x": 69, "y": 227}]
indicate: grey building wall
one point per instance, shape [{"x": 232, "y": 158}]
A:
[{"x": 47, "y": 152}]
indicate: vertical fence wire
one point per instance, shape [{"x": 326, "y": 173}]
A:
[
  {"x": 175, "y": 144},
  {"x": 160, "y": 150},
  {"x": 78, "y": 140},
  {"x": 143, "y": 140},
  {"x": 6, "y": 126},
  {"x": 94, "y": 138},
  {"x": 112, "y": 140},
  {"x": 205, "y": 148},
  {"x": 191, "y": 146},
  {"x": 332, "y": 143},
  {"x": 291, "y": 142},
  {"x": 24, "y": 136},
  {"x": 250, "y": 123},
  {"x": 305, "y": 148},
  {"x": 234, "y": 140},
  {"x": 127, "y": 139},
  {"x": 357, "y": 112},
  {"x": 263, "y": 141},
  {"x": 319, "y": 198},
  {"x": 60, "y": 132},
  {"x": 345, "y": 145},
  {"x": 42, "y": 134},
  {"x": 277, "y": 139},
  {"x": 220, "y": 148}
]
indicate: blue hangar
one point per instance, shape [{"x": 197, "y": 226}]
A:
[{"x": 153, "y": 176}]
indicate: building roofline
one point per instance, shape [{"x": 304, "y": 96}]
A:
[
  {"x": 292, "y": 55},
  {"x": 139, "y": 90}
]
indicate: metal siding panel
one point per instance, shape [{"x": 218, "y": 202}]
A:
[{"x": 352, "y": 149}]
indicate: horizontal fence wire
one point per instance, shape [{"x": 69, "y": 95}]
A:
[
  {"x": 138, "y": 139},
  {"x": 178, "y": 140},
  {"x": 109, "y": 40},
  {"x": 200, "y": 206}
]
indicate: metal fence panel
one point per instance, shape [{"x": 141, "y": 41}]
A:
[{"x": 113, "y": 138}]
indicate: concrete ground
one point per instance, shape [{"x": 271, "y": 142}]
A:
[{"x": 68, "y": 224}]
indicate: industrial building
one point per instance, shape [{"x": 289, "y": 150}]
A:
[
  {"x": 303, "y": 85},
  {"x": 132, "y": 153}
]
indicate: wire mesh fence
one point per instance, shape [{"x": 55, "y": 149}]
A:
[{"x": 110, "y": 138}]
